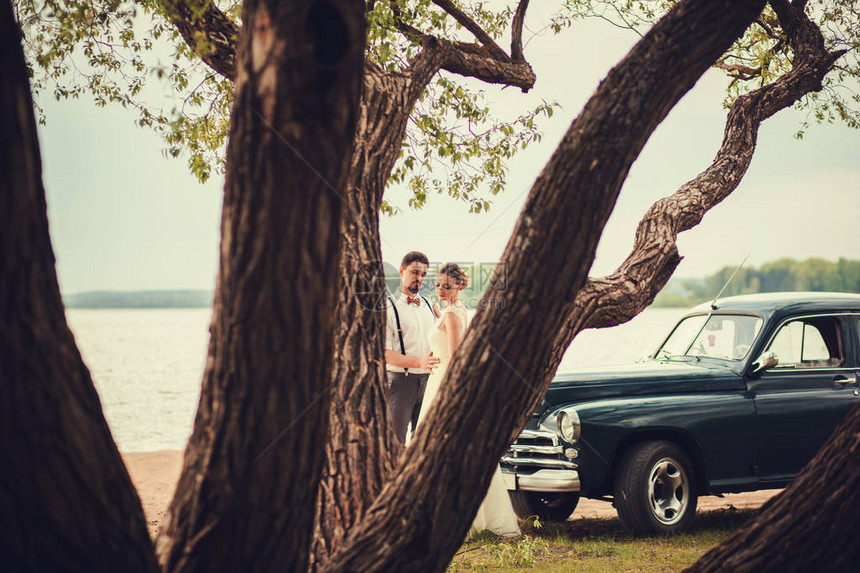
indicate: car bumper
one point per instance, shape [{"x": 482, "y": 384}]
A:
[{"x": 548, "y": 480}]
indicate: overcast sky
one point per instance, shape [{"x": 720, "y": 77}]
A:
[{"x": 125, "y": 218}]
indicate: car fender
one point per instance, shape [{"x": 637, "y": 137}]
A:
[{"x": 717, "y": 430}]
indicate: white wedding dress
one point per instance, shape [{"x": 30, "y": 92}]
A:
[{"x": 496, "y": 512}]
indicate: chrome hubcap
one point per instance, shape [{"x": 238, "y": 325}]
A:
[{"x": 668, "y": 491}]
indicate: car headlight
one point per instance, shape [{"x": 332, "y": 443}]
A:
[{"x": 568, "y": 425}]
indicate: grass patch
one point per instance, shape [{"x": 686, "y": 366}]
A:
[{"x": 596, "y": 545}]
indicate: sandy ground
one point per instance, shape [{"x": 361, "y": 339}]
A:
[
  {"x": 590, "y": 508},
  {"x": 155, "y": 475}
]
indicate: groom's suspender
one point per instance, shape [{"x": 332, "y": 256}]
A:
[{"x": 400, "y": 330}]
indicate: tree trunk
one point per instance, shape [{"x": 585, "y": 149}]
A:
[
  {"x": 421, "y": 516},
  {"x": 361, "y": 450},
  {"x": 66, "y": 500},
  {"x": 807, "y": 527},
  {"x": 246, "y": 497}
]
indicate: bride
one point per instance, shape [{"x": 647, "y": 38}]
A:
[{"x": 496, "y": 513}]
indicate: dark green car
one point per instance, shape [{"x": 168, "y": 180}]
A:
[{"x": 739, "y": 397}]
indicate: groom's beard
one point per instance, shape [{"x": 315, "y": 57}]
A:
[{"x": 414, "y": 288}]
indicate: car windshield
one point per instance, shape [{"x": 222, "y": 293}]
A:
[{"x": 724, "y": 336}]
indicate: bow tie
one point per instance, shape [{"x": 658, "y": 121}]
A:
[{"x": 416, "y": 301}]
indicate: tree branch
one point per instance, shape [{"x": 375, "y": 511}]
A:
[
  {"x": 738, "y": 71},
  {"x": 207, "y": 31},
  {"x": 517, "y": 31},
  {"x": 469, "y": 60},
  {"x": 620, "y": 296},
  {"x": 212, "y": 35},
  {"x": 464, "y": 20},
  {"x": 485, "y": 61},
  {"x": 410, "y": 32}
]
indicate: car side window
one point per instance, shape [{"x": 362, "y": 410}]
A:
[{"x": 813, "y": 342}]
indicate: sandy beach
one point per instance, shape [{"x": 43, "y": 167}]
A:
[{"x": 155, "y": 475}]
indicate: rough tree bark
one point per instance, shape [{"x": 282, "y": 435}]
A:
[
  {"x": 246, "y": 496},
  {"x": 66, "y": 500},
  {"x": 361, "y": 449},
  {"x": 418, "y": 520}
]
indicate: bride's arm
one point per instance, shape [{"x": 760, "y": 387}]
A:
[{"x": 452, "y": 327}]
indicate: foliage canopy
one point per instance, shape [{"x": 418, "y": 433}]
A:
[
  {"x": 762, "y": 54},
  {"x": 129, "y": 53}
]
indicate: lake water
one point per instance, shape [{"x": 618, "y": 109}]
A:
[{"x": 147, "y": 364}]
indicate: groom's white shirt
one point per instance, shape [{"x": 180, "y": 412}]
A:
[{"x": 416, "y": 322}]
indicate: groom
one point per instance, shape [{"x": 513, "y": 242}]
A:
[{"x": 407, "y": 350}]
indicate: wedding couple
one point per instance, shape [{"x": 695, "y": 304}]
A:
[{"x": 420, "y": 339}]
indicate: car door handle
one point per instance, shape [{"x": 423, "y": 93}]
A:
[{"x": 843, "y": 381}]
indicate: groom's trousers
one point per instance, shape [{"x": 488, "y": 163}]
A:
[{"x": 405, "y": 394}]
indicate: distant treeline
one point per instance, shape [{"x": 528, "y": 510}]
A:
[
  {"x": 140, "y": 299},
  {"x": 783, "y": 275}
]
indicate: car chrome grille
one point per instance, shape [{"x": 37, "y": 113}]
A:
[{"x": 533, "y": 450}]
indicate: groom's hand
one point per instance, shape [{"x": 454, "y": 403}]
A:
[{"x": 429, "y": 362}]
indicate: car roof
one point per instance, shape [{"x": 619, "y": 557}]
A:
[{"x": 768, "y": 303}]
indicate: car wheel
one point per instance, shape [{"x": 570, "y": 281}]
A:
[
  {"x": 655, "y": 489},
  {"x": 548, "y": 506}
]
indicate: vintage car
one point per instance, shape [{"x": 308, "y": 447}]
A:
[{"x": 738, "y": 397}]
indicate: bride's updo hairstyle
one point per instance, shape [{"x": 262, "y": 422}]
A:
[{"x": 454, "y": 271}]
